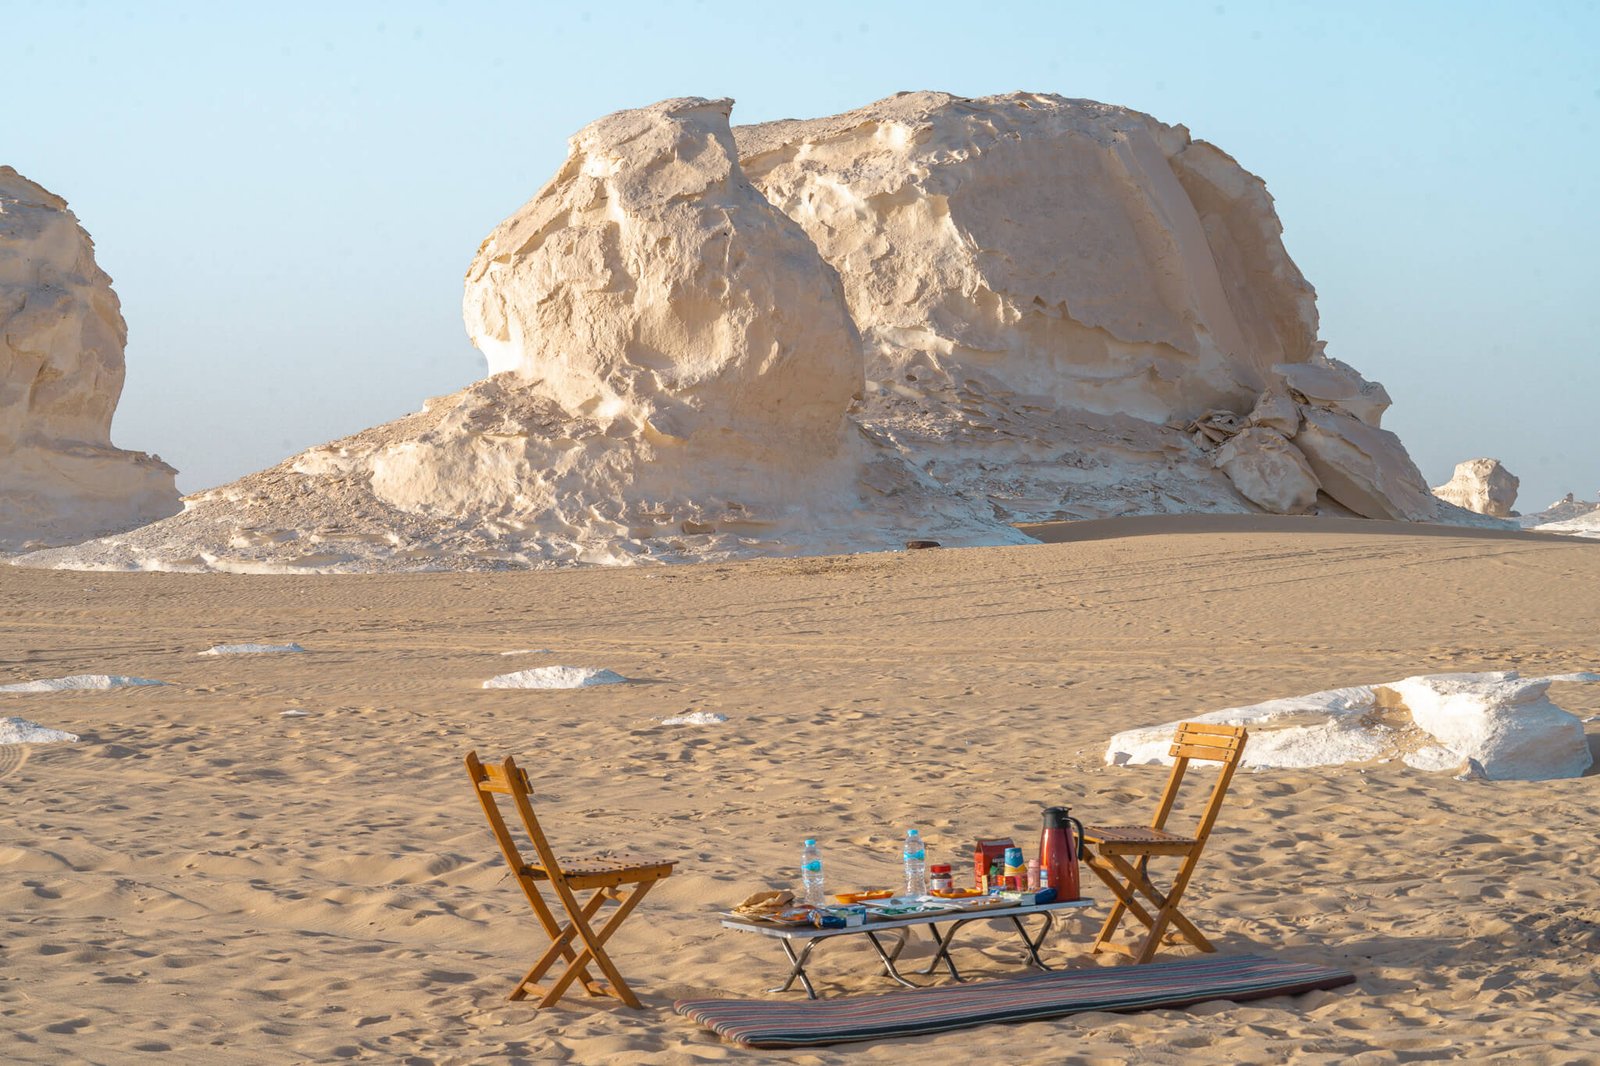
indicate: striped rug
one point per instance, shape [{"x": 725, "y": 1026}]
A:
[{"x": 807, "y": 1023}]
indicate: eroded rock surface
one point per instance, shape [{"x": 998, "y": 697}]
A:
[
  {"x": 1481, "y": 485},
  {"x": 923, "y": 319},
  {"x": 676, "y": 367},
  {"x": 61, "y": 371}
]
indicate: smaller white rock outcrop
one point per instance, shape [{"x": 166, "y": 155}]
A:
[
  {"x": 1481, "y": 485},
  {"x": 1496, "y": 726},
  {"x": 61, "y": 370},
  {"x": 1504, "y": 723}
]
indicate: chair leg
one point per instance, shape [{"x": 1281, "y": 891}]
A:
[
  {"x": 594, "y": 949},
  {"x": 1167, "y": 912},
  {"x": 1127, "y": 903},
  {"x": 560, "y": 947}
]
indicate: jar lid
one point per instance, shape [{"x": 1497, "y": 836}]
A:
[{"x": 940, "y": 868}]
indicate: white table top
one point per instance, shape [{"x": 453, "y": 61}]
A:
[{"x": 875, "y": 925}]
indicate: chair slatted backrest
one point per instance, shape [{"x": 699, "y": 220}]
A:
[
  {"x": 509, "y": 779},
  {"x": 1206, "y": 743}
]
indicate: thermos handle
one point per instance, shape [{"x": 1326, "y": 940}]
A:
[{"x": 1082, "y": 851}]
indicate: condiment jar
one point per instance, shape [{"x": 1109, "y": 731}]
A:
[{"x": 940, "y": 879}]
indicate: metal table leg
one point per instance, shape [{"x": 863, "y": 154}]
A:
[
  {"x": 1034, "y": 942},
  {"x": 890, "y": 957},
  {"x": 798, "y": 967},
  {"x": 942, "y": 954}
]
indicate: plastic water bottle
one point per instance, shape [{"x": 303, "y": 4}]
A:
[
  {"x": 811, "y": 874},
  {"x": 916, "y": 857}
]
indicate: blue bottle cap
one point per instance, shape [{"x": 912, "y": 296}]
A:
[
  {"x": 911, "y": 833},
  {"x": 811, "y": 843}
]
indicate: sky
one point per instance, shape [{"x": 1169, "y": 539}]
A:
[{"x": 288, "y": 195}]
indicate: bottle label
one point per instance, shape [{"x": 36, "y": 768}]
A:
[
  {"x": 814, "y": 866},
  {"x": 916, "y": 856}
]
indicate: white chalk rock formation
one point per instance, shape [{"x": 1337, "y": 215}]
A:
[
  {"x": 649, "y": 284},
  {"x": 1504, "y": 723},
  {"x": 1051, "y": 291},
  {"x": 61, "y": 371},
  {"x": 1326, "y": 382},
  {"x": 1364, "y": 468},
  {"x": 676, "y": 364},
  {"x": 924, "y": 319},
  {"x": 1481, "y": 485},
  {"x": 1269, "y": 471},
  {"x": 1568, "y": 515},
  {"x": 1497, "y": 726}
]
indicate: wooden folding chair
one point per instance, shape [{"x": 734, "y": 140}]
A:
[
  {"x": 1110, "y": 847},
  {"x": 566, "y": 877}
]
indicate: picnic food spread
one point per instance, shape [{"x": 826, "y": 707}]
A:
[{"x": 1002, "y": 876}]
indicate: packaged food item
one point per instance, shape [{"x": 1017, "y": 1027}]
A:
[
  {"x": 851, "y": 914},
  {"x": 985, "y": 852},
  {"x": 940, "y": 878}
]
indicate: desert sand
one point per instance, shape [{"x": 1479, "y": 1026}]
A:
[{"x": 202, "y": 878}]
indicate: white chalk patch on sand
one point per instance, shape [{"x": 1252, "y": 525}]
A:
[
  {"x": 294, "y": 712},
  {"x": 22, "y": 731},
  {"x": 80, "y": 683},
  {"x": 696, "y": 718},
  {"x": 528, "y": 651},
  {"x": 251, "y": 649},
  {"x": 556, "y": 677}
]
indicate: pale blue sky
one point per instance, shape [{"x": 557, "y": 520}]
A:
[{"x": 288, "y": 194}]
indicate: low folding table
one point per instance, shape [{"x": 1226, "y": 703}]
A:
[{"x": 809, "y": 937}]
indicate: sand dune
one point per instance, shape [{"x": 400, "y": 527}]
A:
[{"x": 202, "y": 878}]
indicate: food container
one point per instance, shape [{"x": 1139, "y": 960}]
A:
[
  {"x": 940, "y": 879},
  {"x": 853, "y": 914},
  {"x": 984, "y": 854}
]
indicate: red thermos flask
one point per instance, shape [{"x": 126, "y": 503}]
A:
[{"x": 1060, "y": 848}]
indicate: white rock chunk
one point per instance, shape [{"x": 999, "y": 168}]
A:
[
  {"x": 1494, "y": 726},
  {"x": 557, "y": 677},
  {"x": 61, "y": 371},
  {"x": 1481, "y": 485},
  {"x": 1323, "y": 381},
  {"x": 1503, "y": 722},
  {"x": 15, "y": 730},
  {"x": 80, "y": 683},
  {"x": 252, "y": 649},
  {"x": 696, "y": 718},
  {"x": 1269, "y": 471},
  {"x": 1276, "y": 409},
  {"x": 1364, "y": 468}
]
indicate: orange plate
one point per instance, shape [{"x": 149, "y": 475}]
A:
[
  {"x": 960, "y": 893},
  {"x": 858, "y": 897}
]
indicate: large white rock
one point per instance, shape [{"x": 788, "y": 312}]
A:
[
  {"x": 1032, "y": 275},
  {"x": 1364, "y": 468},
  {"x": 1481, "y": 485},
  {"x": 927, "y": 318},
  {"x": 1269, "y": 471},
  {"x": 1494, "y": 725},
  {"x": 1505, "y": 723},
  {"x": 61, "y": 371},
  {"x": 676, "y": 364}
]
